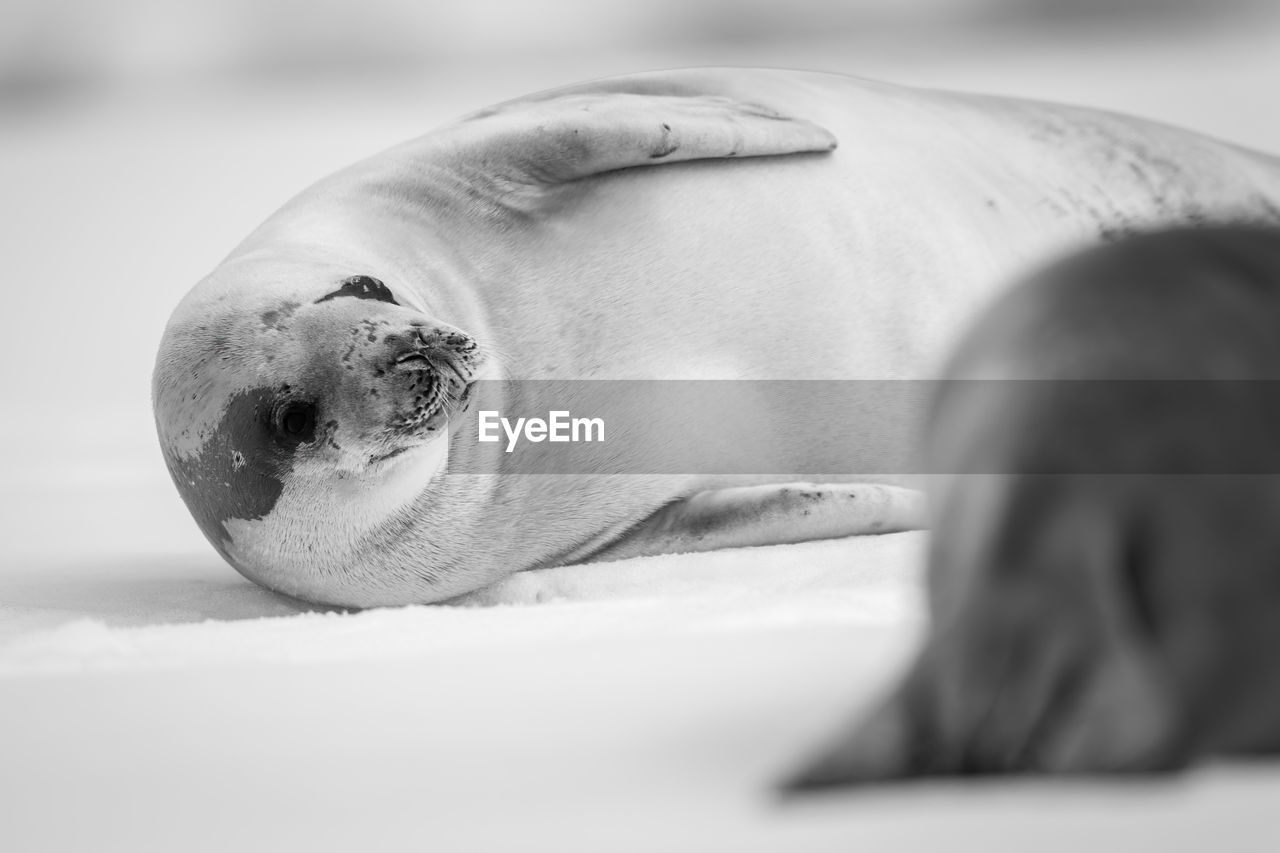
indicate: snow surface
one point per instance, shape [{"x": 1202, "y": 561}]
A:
[{"x": 151, "y": 699}]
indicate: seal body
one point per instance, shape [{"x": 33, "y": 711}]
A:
[
  {"x": 1105, "y": 566},
  {"x": 695, "y": 224}
]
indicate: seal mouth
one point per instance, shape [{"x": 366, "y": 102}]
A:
[
  {"x": 433, "y": 377},
  {"x": 385, "y": 460},
  {"x": 392, "y": 454},
  {"x": 410, "y": 433},
  {"x": 446, "y": 394}
]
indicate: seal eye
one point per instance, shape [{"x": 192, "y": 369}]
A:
[{"x": 297, "y": 421}]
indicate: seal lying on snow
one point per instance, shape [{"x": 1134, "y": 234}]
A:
[
  {"x": 1104, "y": 580},
  {"x": 302, "y": 389}
]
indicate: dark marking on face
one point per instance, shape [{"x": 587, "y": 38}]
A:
[
  {"x": 331, "y": 427},
  {"x": 239, "y": 472},
  {"x": 361, "y": 287},
  {"x": 276, "y": 318},
  {"x": 370, "y": 329}
]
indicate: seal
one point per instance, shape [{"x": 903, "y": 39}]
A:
[
  {"x": 697, "y": 224},
  {"x": 1105, "y": 566}
]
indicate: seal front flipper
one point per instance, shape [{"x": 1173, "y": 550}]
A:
[
  {"x": 768, "y": 515},
  {"x": 561, "y": 139}
]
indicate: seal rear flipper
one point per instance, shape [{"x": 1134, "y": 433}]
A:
[{"x": 551, "y": 141}]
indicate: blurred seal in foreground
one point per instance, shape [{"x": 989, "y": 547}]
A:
[
  {"x": 1104, "y": 581},
  {"x": 677, "y": 225}
]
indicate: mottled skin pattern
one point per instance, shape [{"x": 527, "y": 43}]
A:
[
  {"x": 536, "y": 240},
  {"x": 1105, "y": 569}
]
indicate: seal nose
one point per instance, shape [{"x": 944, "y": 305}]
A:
[{"x": 424, "y": 347}]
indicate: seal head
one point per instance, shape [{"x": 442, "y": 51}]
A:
[{"x": 276, "y": 411}]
